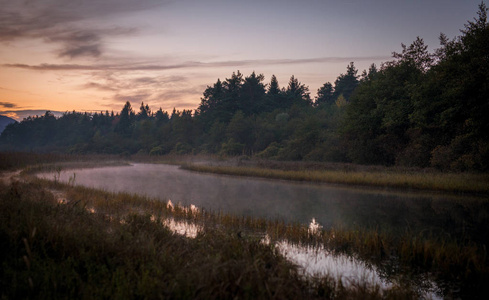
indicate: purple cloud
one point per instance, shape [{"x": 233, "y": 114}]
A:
[
  {"x": 8, "y": 104},
  {"x": 191, "y": 64},
  {"x": 60, "y": 22}
]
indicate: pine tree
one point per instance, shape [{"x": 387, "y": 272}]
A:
[
  {"x": 345, "y": 84},
  {"x": 126, "y": 120},
  {"x": 273, "y": 88},
  {"x": 325, "y": 95}
]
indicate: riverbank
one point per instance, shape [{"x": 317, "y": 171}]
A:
[
  {"x": 76, "y": 242},
  {"x": 318, "y": 172},
  {"x": 379, "y": 177},
  {"x": 121, "y": 243},
  {"x": 61, "y": 241}
]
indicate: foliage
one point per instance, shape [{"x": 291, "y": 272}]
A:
[
  {"x": 97, "y": 244},
  {"x": 52, "y": 250},
  {"x": 345, "y": 84},
  {"x": 426, "y": 109},
  {"x": 420, "y": 109}
]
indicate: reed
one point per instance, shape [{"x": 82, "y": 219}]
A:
[
  {"x": 449, "y": 259},
  {"x": 54, "y": 250},
  {"x": 95, "y": 243},
  {"x": 431, "y": 181},
  {"x": 21, "y": 160}
]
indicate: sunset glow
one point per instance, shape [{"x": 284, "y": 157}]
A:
[{"x": 96, "y": 55}]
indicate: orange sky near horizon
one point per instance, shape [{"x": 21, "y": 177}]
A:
[{"x": 95, "y": 55}]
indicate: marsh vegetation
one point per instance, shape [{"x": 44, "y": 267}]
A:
[
  {"x": 421, "y": 109},
  {"x": 384, "y": 178},
  {"x": 421, "y": 245},
  {"x": 386, "y": 171}
]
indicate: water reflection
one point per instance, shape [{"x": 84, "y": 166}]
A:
[
  {"x": 182, "y": 228},
  {"x": 330, "y": 205},
  {"x": 325, "y": 205},
  {"x": 320, "y": 262}
]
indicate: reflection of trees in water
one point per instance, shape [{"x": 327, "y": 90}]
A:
[
  {"x": 462, "y": 218},
  {"x": 454, "y": 217}
]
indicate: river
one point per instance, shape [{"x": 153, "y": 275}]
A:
[
  {"x": 330, "y": 205},
  {"x": 459, "y": 217}
]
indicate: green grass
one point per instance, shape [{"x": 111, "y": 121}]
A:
[
  {"x": 121, "y": 241},
  {"x": 54, "y": 250},
  {"x": 18, "y": 160},
  {"x": 430, "y": 181}
]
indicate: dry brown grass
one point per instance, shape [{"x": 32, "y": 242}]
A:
[{"x": 441, "y": 182}]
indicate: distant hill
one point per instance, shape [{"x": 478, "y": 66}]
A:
[{"x": 4, "y": 121}]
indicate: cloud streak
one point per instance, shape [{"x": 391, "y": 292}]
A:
[
  {"x": 178, "y": 94},
  {"x": 8, "y": 104},
  {"x": 191, "y": 64},
  {"x": 132, "y": 98},
  {"x": 111, "y": 82},
  {"x": 76, "y": 26},
  {"x": 19, "y": 115}
]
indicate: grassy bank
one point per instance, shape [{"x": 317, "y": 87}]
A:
[
  {"x": 18, "y": 160},
  {"x": 75, "y": 242},
  {"x": 63, "y": 241},
  {"x": 429, "y": 181},
  {"x": 94, "y": 244}
]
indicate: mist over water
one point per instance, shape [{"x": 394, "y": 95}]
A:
[
  {"x": 294, "y": 202},
  {"x": 316, "y": 205}
]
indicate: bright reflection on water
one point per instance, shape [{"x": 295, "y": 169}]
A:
[
  {"x": 314, "y": 261},
  {"x": 184, "y": 228},
  {"x": 295, "y": 202},
  {"x": 319, "y": 262},
  {"x": 325, "y": 205}
]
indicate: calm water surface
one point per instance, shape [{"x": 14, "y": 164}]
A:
[
  {"x": 329, "y": 205},
  {"x": 296, "y": 202}
]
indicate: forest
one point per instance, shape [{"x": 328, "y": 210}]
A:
[{"x": 421, "y": 109}]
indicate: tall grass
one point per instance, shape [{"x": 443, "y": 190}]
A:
[
  {"x": 32, "y": 162},
  {"x": 458, "y": 261},
  {"x": 97, "y": 244},
  {"x": 433, "y": 181},
  {"x": 54, "y": 250}
]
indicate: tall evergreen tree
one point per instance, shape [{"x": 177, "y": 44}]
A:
[
  {"x": 275, "y": 98},
  {"x": 416, "y": 54},
  {"x": 325, "y": 95},
  {"x": 273, "y": 88},
  {"x": 126, "y": 120},
  {"x": 297, "y": 93},
  {"x": 345, "y": 84},
  {"x": 144, "y": 112},
  {"x": 251, "y": 100},
  {"x": 161, "y": 117}
]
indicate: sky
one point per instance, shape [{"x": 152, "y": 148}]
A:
[{"x": 94, "y": 55}]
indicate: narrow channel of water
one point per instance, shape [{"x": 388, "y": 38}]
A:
[
  {"x": 325, "y": 205},
  {"x": 330, "y": 205}
]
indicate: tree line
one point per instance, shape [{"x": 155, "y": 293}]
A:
[{"x": 420, "y": 109}]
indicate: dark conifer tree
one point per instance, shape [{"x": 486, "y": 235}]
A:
[
  {"x": 274, "y": 98},
  {"x": 345, "y": 84},
  {"x": 325, "y": 95},
  {"x": 126, "y": 120},
  {"x": 273, "y": 88},
  {"x": 251, "y": 99},
  {"x": 297, "y": 93}
]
